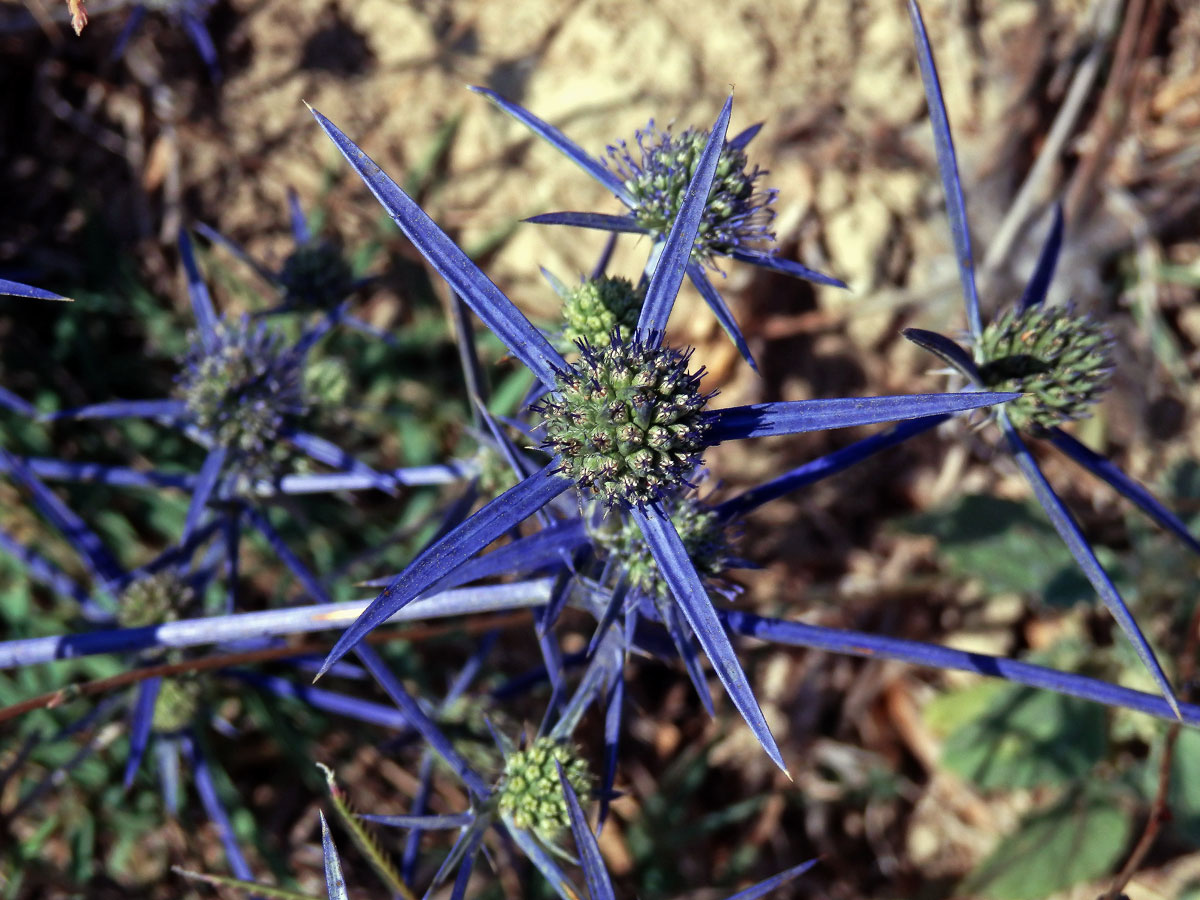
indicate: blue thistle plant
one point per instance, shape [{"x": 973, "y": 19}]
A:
[
  {"x": 315, "y": 275},
  {"x": 736, "y": 215},
  {"x": 244, "y": 395},
  {"x": 641, "y": 479},
  {"x": 1059, "y": 358},
  {"x": 163, "y": 711},
  {"x": 186, "y": 14}
]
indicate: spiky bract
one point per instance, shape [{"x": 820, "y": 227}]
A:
[
  {"x": 315, "y": 276},
  {"x": 530, "y": 793},
  {"x": 705, "y": 535},
  {"x": 627, "y": 421},
  {"x": 738, "y": 215},
  {"x": 1059, "y": 358},
  {"x": 246, "y": 390},
  {"x": 596, "y": 308},
  {"x": 161, "y": 597}
]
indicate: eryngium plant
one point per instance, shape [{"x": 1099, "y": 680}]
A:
[
  {"x": 733, "y": 221},
  {"x": 638, "y": 490},
  {"x": 1060, "y": 360}
]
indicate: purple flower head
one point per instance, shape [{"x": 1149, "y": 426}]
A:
[
  {"x": 315, "y": 276},
  {"x": 244, "y": 388},
  {"x": 733, "y": 214},
  {"x": 737, "y": 215}
]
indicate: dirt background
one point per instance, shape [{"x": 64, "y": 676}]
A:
[{"x": 1106, "y": 95}]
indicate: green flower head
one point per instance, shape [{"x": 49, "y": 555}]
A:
[
  {"x": 705, "y": 535},
  {"x": 530, "y": 793},
  {"x": 600, "y": 306},
  {"x": 627, "y": 421},
  {"x": 1060, "y": 359}
]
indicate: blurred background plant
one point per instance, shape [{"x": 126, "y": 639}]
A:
[{"x": 907, "y": 781}]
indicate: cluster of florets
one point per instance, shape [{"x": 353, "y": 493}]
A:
[
  {"x": 530, "y": 793},
  {"x": 1060, "y": 359},
  {"x": 161, "y": 597},
  {"x": 246, "y": 390},
  {"x": 627, "y": 421},
  {"x": 177, "y": 703},
  {"x": 738, "y": 215},
  {"x": 705, "y": 536},
  {"x": 601, "y": 306},
  {"x": 315, "y": 276}
]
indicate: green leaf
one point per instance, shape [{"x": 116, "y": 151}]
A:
[
  {"x": 952, "y": 710},
  {"x": 1009, "y": 546},
  {"x": 1025, "y": 738},
  {"x": 1079, "y": 838}
]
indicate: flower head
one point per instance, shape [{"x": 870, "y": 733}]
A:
[
  {"x": 627, "y": 421},
  {"x": 530, "y": 793},
  {"x": 600, "y": 306},
  {"x": 705, "y": 534},
  {"x": 244, "y": 387},
  {"x": 652, "y": 182},
  {"x": 1060, "y": 359},
  {"x": 161, "y": 597},
  {"x": 315, "y": 276},
  {"x": 737, "y": 215},
  {"x": 177, "y": 704}
]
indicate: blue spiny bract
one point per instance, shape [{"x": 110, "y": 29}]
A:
[
  {"x": 245, "y": 390},
  {"x": 1059, "y": 358},
  {"x": 738, "y": 215},
  {"x": 596, "y": 308},
  {"x": 530, "y": 793},
  {"x": 705, "y": 535},
  {"x": 627, "y": 421}
]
